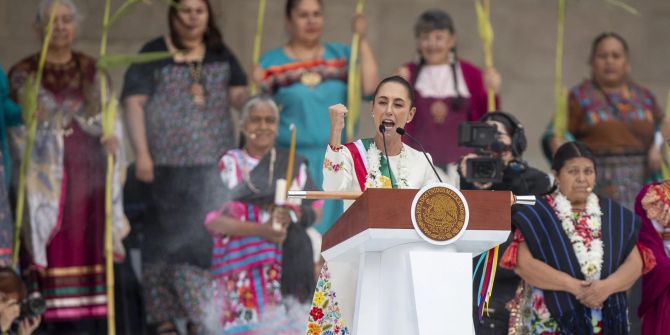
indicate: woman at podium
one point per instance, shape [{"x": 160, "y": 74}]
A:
[
  {"x": 363, "y": 164},
  {"x": 576, "y": 252}
]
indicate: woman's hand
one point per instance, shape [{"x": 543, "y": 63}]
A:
[
  {"x": 577, "y": 287},
  {"x": 111, "y": 144},
  {"x": 281, "y": 216},
  {"x": 337, "y": 115},
  {"x": 492, "y": 79},
  {"x": 654, "y": 159},
  {"x": 276, "y": 236},
  {"x": 9, "y": 311},
  {"x": 257, "y": 74},
  {"x": 595, "y": 294},
  {"x": 144, "y": 168},
  {"x": 28, "y": 326},
  {"x": 359, "y": 25}
]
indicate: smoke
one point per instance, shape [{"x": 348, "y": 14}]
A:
[{"x": 288, "y": 318}]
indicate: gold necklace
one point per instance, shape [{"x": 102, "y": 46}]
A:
[
  {"x": 308, "y": 77},
  {"x": 197, "y": 89}
]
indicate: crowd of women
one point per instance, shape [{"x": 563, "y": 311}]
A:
[{"x": 220, "y": 256}]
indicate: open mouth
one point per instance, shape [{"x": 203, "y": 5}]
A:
[{"x": 388, "y": 124}]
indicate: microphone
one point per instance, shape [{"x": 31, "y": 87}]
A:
[
  {"x": 382, "y": 130},
  {"x": 402, "y": 131}
]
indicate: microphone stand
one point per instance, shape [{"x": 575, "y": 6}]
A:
[
  {"x": 382, "y": 130},
  {"x": 401, "y": 131}
]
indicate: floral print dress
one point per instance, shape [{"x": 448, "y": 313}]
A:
[
  {"x": 325, "y": 317},
  {"x": 247, "y": 269}
]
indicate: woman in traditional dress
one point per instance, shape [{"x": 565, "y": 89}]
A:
[
  {"x": 653, "y": 206},
  {"x": 66, "y": 178},
  {"x": 448, "y": 90},
  {"x": 179, "y": 119},
  {"x": 577, "y": 252},
  {"x": 262, "y": 253},
  {"x": 307, "y": 75},
  {"x": 362, "y": 164},
  {"x": 618, "y": 120}
]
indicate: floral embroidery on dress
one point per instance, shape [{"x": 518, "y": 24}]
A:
[
  {"x": 242, "y": 298},
  {"x": 325, "y": 317},
  {"x": 330, "y": 166}
]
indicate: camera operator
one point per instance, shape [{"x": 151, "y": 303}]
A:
[
  {"x": 18, "y": 314},
  {"x": 498, "y": 166}
]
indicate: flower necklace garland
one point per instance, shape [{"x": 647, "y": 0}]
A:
[
  {"x": 590, "y": 258},
  {"x": 375, "y": 179}
]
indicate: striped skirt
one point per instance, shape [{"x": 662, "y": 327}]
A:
[{"x": 621, "y": 177}]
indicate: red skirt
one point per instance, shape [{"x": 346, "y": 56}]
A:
[{"x": 73, "y": 284}]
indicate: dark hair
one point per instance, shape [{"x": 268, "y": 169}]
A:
[
  {"x": 399, "y": 80},
  {"x": 212, "y": 38},
  {"x": 603, "y": 36},
  {"x": 568, "y": 151},
  {"x": 514, "y": 129},
  {"x": 10, "y": 282},
  {"x": 436, "y": 19},
  {"x": 433, "y": 19},
  {"x": 508, "y": 121},
  {"x": 292, "y": 4}
]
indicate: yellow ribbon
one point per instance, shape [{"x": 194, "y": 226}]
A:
[
  {"x": 256, "y": 54},
  {"x": 354, "y": 80},
  {"x": 494, "y": 267},
  {"x": 486, "y": 35},
  {"x": 29, "y": 103}
]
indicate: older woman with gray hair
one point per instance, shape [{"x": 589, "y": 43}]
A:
[
  {"x": 255, "y": 240},
  {"x": 66, "y": 178}
]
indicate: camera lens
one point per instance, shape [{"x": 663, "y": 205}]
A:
[
  {"x": 485, "y": 170},
  {"x": 32, "y": 307}
]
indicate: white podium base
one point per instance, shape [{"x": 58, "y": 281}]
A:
[{"x": 389, "y": 282}]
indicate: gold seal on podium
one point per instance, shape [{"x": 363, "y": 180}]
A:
[{"x": 440, "y": 213}]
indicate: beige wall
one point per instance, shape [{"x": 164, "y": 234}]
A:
[{"x": 524, "y": 40}]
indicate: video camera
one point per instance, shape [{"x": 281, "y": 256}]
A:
[
  {"x": 31, "y": 307},
  {"x": 487, "y": 167}
]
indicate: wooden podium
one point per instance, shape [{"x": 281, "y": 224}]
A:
[{"x": 388, "y": 280}]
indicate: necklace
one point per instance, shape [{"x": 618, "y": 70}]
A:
[
  {"x": 197, "y": 89},
  {"x": 308, "y": 77},
  {"x": 589, "y": 255},
  {"x": 375, "y": 178},
  {"x": 247, "y": 180}
]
